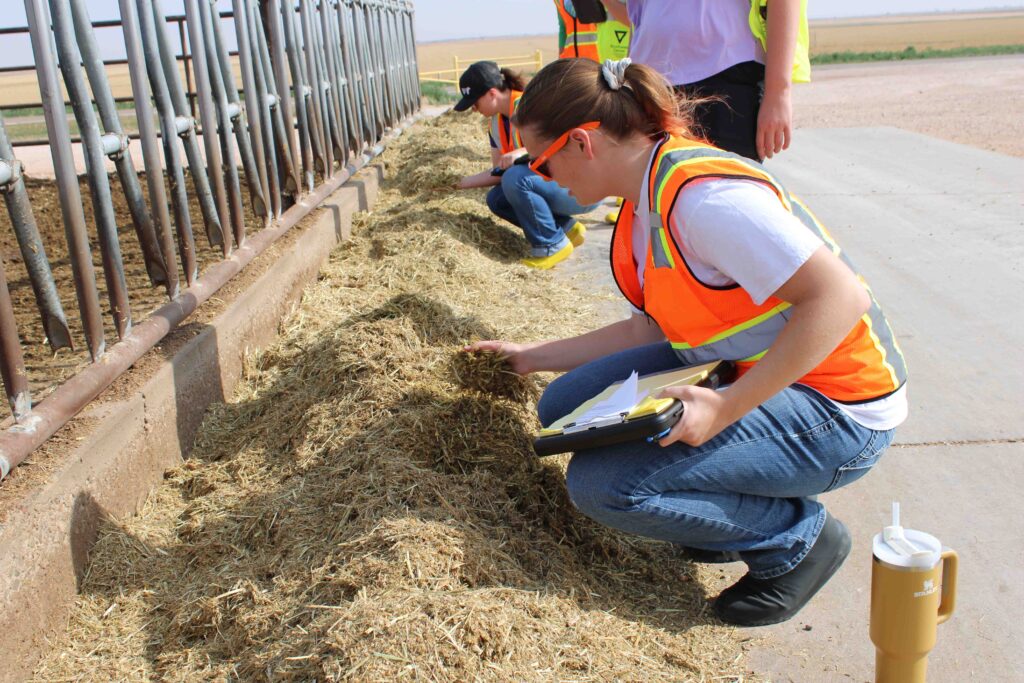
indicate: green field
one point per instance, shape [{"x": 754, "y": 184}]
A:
[{"x": 910, "y": 52}]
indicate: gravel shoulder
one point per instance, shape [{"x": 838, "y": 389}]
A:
[{"x": 974, "y": 101}]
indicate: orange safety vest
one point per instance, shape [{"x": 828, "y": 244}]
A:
[
  {"x": 580, "y": 39},
  {"x": 704, "y": 322},
  {"x": 500, "y": 123}
]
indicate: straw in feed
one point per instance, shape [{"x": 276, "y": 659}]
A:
[{"x": 367, "y": 506}]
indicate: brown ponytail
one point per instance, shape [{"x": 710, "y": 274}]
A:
[
  {"x": 570, "y": 92},
  {"x": 512, "y": 80}
]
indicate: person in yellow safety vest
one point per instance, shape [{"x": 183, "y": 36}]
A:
[
  {"x": 544, "y": 210},
  {"x": 758, "y": 21},
  {"x": 723, "y": 50},
  {"x": 606, "y": 40},
  {"x": 718, "y": 262}
]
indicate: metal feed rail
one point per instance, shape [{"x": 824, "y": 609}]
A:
[{"x": 323, "y": 83}]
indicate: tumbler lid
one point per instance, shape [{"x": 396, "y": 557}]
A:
[{"x": 906, "y": 547}]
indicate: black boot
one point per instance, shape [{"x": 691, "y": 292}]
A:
[
  {"x": 759, "y": 602},
  {"x": 710, "y": 556}
]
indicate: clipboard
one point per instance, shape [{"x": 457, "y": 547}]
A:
[{"x": 650, "y": 419}]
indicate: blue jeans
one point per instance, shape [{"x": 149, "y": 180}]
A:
[
  {"x": 749, "y": 489},
  {"x": 542, "y": 208}
]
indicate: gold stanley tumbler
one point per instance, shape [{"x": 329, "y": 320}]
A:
[{"x": 913, "y": 590}]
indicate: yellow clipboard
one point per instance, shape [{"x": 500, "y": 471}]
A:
[{"x": 649, "y": 417}]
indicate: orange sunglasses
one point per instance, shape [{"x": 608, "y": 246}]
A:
[{"x": 540, "y": 164}]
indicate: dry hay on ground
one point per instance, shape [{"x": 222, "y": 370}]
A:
[{"x": 367, "y": 507}]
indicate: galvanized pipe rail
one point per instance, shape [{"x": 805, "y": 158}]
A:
[
  {"x": 208, "y": 117},
  {"x": 324, "y": 82},
  {"x": 33, "y": 251},
  {"x": 67, "y": 181},
  {"x": 243, "y": 125},
  {"x": 99, "y": 183},
  {"x": 186, "y": 127},
  {"x": 150, "y": 153},
  {"x": 141, "y": 219},
  {"x": 183, "y": 56}
]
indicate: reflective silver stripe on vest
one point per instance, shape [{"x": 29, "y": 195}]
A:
[
  {"x": 496, "y": 130},
  {"x": 885, "y": 339},
  {"x": 661, "y": 258},
  {"x": 739, "y": 346},
  {"x": 586, "y": 38}
]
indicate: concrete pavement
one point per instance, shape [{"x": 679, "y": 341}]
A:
[{"x": 937, "y": 228}]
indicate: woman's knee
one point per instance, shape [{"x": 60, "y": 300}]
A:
[
  {"x": 494, "y": 199},
  {"x": 594, "y": 488},
  {"x": 517, "y": 179},
  {"x": 556, "y": 401}
]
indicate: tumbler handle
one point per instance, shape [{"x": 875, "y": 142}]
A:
[{"x": 948, "y": 602}]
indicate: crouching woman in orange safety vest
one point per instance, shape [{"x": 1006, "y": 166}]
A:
[
  {"x": 543, "y": 210},
  {"x": 718, "y": 262}
]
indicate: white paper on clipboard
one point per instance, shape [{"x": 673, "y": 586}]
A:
[{"x": 623, "y": 400}]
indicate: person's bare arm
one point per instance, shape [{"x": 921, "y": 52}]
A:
[
  {"x": 481, "y": 179},
  {"x": 617, "y": 10},
  {"x": 775, "y": 119},
  {"x": 827, "y": 301},
  {"x": 565, "y": 354}
]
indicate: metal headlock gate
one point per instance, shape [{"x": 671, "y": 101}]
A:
[{"x": 322, "y": 83}]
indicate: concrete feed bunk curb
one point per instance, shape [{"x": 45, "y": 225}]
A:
[{"x": 45, "y": 540}]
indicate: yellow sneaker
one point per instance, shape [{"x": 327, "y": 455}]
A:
[
  {"x": 549, "y": 261},
  {"x": 612, "y": 217},
  {"x": 576, "y": 234}
]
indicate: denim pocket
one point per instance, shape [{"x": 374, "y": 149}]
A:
[{"x": 864, "y": 461}]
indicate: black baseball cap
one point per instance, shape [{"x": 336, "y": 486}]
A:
[{"x": 476, "y": 81}]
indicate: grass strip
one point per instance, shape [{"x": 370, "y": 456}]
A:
[{"x": 910, "y": 52}]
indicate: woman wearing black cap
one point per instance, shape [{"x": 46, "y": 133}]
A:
[{"x": 542, "y": 208}]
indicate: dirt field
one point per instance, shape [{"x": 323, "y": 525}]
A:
[
  {"x": 975, "y": 101},
  {"x": 22, "y": 87},
  {"x": 436, "y": 56},
  {"x": 940, "y": 31},
  {"x": 864, "y": 34}
]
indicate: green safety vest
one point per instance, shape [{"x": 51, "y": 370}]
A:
[
  {"x": 607, "y": 40},
  {"x": 759, "y": 27},
  {"x": 613, "y": 40}
]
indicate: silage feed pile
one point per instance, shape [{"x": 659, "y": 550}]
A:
[{"x": 367, "y": 506}]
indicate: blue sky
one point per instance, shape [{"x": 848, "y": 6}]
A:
[
  {"x": 447, "y": 19},
  {"x": 444, "y": 19}
]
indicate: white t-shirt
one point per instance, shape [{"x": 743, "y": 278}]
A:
[
  {"x": 688, "y": 40},
  {"x": 734, "y": 231}
]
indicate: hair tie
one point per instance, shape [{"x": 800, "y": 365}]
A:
[{"x": 614, "y": 72}]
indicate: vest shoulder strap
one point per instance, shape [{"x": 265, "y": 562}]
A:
[{"x": 680, "y": 161}]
